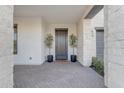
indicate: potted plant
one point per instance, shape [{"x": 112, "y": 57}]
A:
[
  {"x": 49, "y": 42},
  {"x": 73, "y": 44}
]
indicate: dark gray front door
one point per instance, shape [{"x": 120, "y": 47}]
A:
[{"x": 61, "y": 44}]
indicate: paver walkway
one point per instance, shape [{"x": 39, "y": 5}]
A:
[{"x": 57, "y": 75}]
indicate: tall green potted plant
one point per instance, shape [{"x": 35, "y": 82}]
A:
[
  {"x": 48, "y": 43},
  {"x": 73, "y": 44}
]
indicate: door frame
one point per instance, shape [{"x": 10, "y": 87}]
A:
[{"x": 62, "y": 29}]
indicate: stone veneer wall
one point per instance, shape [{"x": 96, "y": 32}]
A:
[
  {"x": 114, "y": 46},
  {"x": 6, "y": 40},
  {"x": 87, "y": 38}
]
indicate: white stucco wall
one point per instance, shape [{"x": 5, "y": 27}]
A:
[
  {"x": 30, "y": 40},
  {"x": 71, "y": 29},
  {"x": 86, "y": 27},
  {"x": 31, "y": 35},
  {"x": 6, "y": 46},
  {"x": 114, "y": 46}
]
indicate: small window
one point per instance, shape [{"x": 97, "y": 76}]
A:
[{"x": 15, "y": 39}]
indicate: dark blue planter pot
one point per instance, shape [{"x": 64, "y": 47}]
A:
[
  {"x": 50, "y": 58},
  {"x": 73, "y": 58}
]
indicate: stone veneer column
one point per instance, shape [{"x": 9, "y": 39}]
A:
[
  {"x": 88, "y": 45},
  {"x": 114, "y": 46},
  {"x": 6, "y": 46},
  {"x": 85, "y": 44},
  {"x": 80, "y": 41}
]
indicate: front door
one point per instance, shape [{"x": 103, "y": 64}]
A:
[{"x": 61, "y": 44}]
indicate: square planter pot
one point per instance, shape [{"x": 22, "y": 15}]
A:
[
  {"x": 50, "y": 58},
  {"x": 73, "y": 58}
]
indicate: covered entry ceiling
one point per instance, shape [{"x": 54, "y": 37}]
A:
[{"x": 52, "y": 13}]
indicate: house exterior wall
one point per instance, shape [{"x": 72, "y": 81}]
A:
[
  {"x": 6, "y": 46},
  {"x": 90, "y": 36},
  {"x": 87, "y": 29},
  {"x": 96, "y": 21},
  {"x": 71, "y": 30},
  {"x": 31, "y": 35},
  {"x": 30, "y": 41},
  {"x": 114, "y": 46}
]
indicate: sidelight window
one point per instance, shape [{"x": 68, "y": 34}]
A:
[{"x": 15, "y": 39}]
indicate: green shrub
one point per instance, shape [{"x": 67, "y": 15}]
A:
[
  {"x": 98, "y": 65},
  {"x": 73, "y": 41},
  {"x": 49, "y": 41}
]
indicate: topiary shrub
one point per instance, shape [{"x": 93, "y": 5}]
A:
[
  {"x": 73, "y": 41},
  {"x": 49, "y": 41},
  {"x": 98, "y": 65}
]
